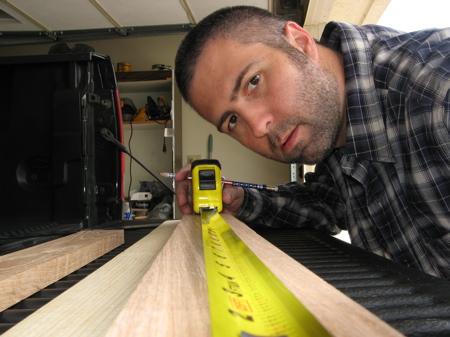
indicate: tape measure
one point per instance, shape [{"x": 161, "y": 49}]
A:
[{"x": 246, "y": 299}]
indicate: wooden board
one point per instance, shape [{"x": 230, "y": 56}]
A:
[
  {"x": 29, "y": 270},
  {"x": 89, "y": 307},
  {"x": 172, "y": 299},
  {"x": 338, "y": 313}
]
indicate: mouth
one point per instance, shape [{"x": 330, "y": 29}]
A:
[{"x": 290, "y": 140}]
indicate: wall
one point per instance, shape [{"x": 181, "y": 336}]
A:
[
  {"x": 238, "y": 163},
  {"x": 147, "y": 146}
]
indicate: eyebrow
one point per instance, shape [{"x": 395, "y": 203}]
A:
[
  {"x": 234, "y": 95},
  {"x": 238, "y": 82},
  {"x": 222, "y": 120}
]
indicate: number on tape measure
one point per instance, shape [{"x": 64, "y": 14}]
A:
[{"x": 245, "y": 297}]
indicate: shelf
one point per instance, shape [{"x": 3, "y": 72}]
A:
[
  {"x": 139, "y": 82},
  {"x": 147, "y": 125},
  {"x": 149, "y": 122},
  {"x": 138, "y": 76},
  {"x": 145, "y": 87},
  {"x": 147, "y": 138}
]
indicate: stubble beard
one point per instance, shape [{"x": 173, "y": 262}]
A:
[{"x": 318, "y": 110}]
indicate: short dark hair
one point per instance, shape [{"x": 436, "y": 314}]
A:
[{"x": 245, "y": 24}]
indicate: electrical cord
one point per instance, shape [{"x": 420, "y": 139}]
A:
[
  {"x": 110, "y": 137},
  {"x": 131, "y": 162}
]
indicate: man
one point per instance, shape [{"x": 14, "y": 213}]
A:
[{"x": 369, "y": 105}]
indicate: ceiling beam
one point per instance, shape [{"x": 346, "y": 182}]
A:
[
  {"x": 188, "y": 11},
  {"x": 25, "y": 15},
  {"x": 375, "y": 11},
  {"x": 33, "y": 37},
  {"x": 361, "y": 12},
  {"x": 317, "y": 16}
]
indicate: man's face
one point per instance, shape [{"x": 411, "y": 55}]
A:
[{"x": 284, "y": 108}]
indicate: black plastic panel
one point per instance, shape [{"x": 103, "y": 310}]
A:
[{"x": 57, "y": 173}]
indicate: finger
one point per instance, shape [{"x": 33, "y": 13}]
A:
[
  {"x": 183, "y": 204},
  {"x": 232, "y": 198},
  {"x": 186, "y": 209},
  {"x": 226, "y": 196},
  {"x": 183, "y": 195},
  {"x": 230, "y": 194},
  {"x": 184, "y": 173}
]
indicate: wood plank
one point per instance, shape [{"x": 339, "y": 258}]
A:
[
  {"x": 27, "y": 271},
  {"x": 89, "y": 307},
  {"x": 171, "y": 299},
  {"x": 338, "y": 313}
]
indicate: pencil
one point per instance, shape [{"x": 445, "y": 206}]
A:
[{"x": 231, "y": 182}]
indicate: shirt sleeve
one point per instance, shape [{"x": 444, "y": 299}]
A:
[{"x": 315, "y": 204}]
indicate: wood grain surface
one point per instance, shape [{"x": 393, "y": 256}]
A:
[
  {"x": 172, "y": 299},
  {"x": 166, "y": 295},
  {"x": 89, "y": 307},
  {"x": 29, "y": 270},
  {"x": 338, "y": 313}
]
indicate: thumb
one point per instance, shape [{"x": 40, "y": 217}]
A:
[{"x": 227, "y": 197}]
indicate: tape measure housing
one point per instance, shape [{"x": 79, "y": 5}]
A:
[{"x": 206, "y": 184}]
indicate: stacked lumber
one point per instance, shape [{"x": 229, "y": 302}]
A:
[{"x": 157, "y": 287}]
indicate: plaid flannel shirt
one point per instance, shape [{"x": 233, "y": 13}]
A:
[{"x": 390, "y": 186}]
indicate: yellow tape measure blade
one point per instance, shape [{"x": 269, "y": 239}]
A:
[{"x": 246, "y": 298}]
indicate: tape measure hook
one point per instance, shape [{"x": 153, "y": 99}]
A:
[{"x": 206, "y": 213}]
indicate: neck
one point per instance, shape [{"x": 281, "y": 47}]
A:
[{"x": 333, "y": 61}]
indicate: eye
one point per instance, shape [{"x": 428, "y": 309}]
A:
[
  {"x": 254, "y": 81},
  {"x": 232, "y": 122}
]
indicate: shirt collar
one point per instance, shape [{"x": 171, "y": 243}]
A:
[{"x": 366, "y": 130}]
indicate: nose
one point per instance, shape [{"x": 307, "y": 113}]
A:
[{"x": 259, "y": 120}]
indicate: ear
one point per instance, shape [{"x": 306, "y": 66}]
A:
[{"x": 301, "y": 39}]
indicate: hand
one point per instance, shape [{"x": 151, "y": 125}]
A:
[
  {"x": 183, "y": 190},
  {"x": 232, "y": 196}
]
